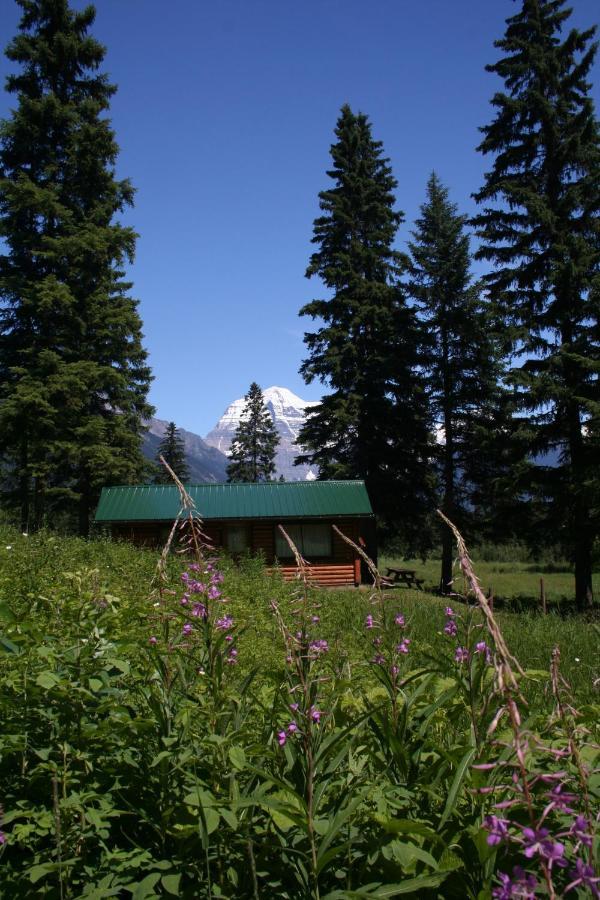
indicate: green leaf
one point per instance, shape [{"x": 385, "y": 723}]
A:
[
  {"x": 145, "y": 888},
  {"x": 456, "y": 784},
  {"x": 47, "y": 680},
  {"x": 171, "y": 884}
]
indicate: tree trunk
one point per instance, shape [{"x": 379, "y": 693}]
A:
[
  {"x": 448, "y": 497},
  {"x": 582, "y": 533},
  {"x": 24, "y": 487},
  {"x": 84, "y": 507}
]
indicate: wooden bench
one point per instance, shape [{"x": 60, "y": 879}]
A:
[{"x": 397, "y": 577}]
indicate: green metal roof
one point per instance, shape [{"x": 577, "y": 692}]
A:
[{"x": 271, "y": 500}]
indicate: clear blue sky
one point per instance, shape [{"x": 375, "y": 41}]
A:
[{"x": 225, "y": 114}]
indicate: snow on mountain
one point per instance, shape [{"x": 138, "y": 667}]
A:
[{"x": 288, "y": 412}]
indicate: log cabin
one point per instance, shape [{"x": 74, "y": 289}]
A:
[{"x": 244, "y": 518}]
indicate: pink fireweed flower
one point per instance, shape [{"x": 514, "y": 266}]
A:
[
  {"x": 369, "y": 621},
  {"x": 185, "y": 600},
  {"x": 451, "y": 628},
  {"x": 583, "y": 875},
  {"x": 281, "y": 738},
  {"x": 394, "y": 670},
  {"x": 294, "y": 707},
  {"x": 216, "y": 578},
  {"x": 224, "y": 624},
  {"x": 316, "y": 648},
  {"x": 228, "y": 638},
  {"x": 2, "y": 838},
  {"x": 481, "y": 647},
  {"x": 377, "y": 642},
  {"x": 560, "y": 799},
  {"x": 403, "y": 646},
  {"x": 196, "y": 587},
  {"x": 199, "y": 610},
  {"x": 449, "y": 612},
  {"x": 522, "y": 885},
  {"x": 292, "y": 728},
  {"x": 399, "y": 620},
  {"x": 187, "y": 628},
  {"x": 315, "y": 714},
  {"x": 232, "y": 656},
  {"x": 194, "y": 567},
  {"x": 580, "y": 830},
  {"x": 213, "y": 592},
  {"x": 498, "y": 829},
  {"x": 152, "y": 640},
  {"x": 537, "y": 841},
  {"x": 315, "y": 619},
  {"x": 378, "y": 659},
  {"x": 461, "y": 655}
]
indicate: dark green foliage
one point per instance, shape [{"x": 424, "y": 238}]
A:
[
  {"x": 539, "y": 226},
  {"x": 172, "y": 449},
  {"x": 459, "y": 361},
  {"x": 73, "y": 372},
  {"x": 373, "y": 424},
  {"x": 255, "y": 443}
]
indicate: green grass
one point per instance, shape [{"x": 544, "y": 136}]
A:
[{"x": 40, "y": 566}]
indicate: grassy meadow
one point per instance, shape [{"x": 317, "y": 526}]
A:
[{"x": 282, "y": 742}]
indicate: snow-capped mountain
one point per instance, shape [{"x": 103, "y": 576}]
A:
[{"x": 288, "y": 412}]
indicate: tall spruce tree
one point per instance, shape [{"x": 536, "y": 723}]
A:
[
  {"x": 459, "y": 360},
  {"x": 374, "y": 422},
  {"x": 255, "y": 442},
  {"x": 172, "y": 450},
  {"x": 540, "y": 227},
  {"x": 73, "y": 372}
]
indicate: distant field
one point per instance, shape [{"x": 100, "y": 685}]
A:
[{"x": 508, "y": 581}]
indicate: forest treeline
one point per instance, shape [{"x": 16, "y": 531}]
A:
[{"x": 480, "y": 395}]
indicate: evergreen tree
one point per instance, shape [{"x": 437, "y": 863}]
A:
[
  {"x": 73, "y": 372},
  {"x": 540, "y": 227},
  {"x": 172, "y": 449},
  {"x": 374, "y": 423},
  {"x": 459, "y": 360},
  {"x": 255, "y": 443}
]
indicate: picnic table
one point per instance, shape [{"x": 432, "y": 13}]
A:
[{"x": 396, "y": 577}]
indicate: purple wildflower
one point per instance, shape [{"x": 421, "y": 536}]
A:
[
  {"x": 399, "y": 620},
  {"x": 449, "y": 612},
  {"x": 394, "y": 670},
  {"x": 451, "y": 628},
  {"x": 216, "y": 578},
  {"x": 196, "y": 587},
  {"x": 294, "y": 707},
  {"x": 2, "y": 838},
  {"x": 537, "y": 841},
  {"x": 281, "y": 738},
  {"x": 228, "y": 638},
  {"x": 481, "y": 647},
  {"x": 194, "y": 567},
  {"x": 580, "y": 830},
  {"x": 315, "y": 619},
  {"x": 232, "y": 656},
  {"x": 199, "y": 610},
  {"x": 403, "y": 646},
  {"x": 369, "y": 621},
  {"x": 315, "y": 714},
  {"x": 521, "y": 885},
  {"x": 213, "y": 592},
  {"x": 318, "y": 647},
  {"x": 498, "y": 829},
  {"x": 187, "y": 628},
  {"x": 377, "y": 642},
  {"x": 583, "y": 875},
  {"x": 185, "y": 600},
  {"x": 292, "y": 728},
  {"x": 461, "y": 655},
  {"x": 378, "y": 659},
  {"x": 225, "y": 623},
  {"x": 152, "y": 640},
  {"x": 560, "y": 799}
]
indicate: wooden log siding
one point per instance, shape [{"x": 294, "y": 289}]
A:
[{"x": 342, "y": 568}]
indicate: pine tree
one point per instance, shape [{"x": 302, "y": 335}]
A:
[
  {"x": 539, "y": 226},
  {"x": 172, "y": 449},
  {"x": 73, "y": 372},
  {"x": 255, "y": 442},
  {"x": 459, "y": 360},
  {"x": 374, "y": 423}
]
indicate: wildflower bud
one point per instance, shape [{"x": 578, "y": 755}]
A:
[
  {"x": 281, "y": 738},
  {"x": 152, "y": 640}
]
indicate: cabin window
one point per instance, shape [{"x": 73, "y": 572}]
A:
[
  {"x": 311, "y": 540},
  {"x": 237, "y": 538}
]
